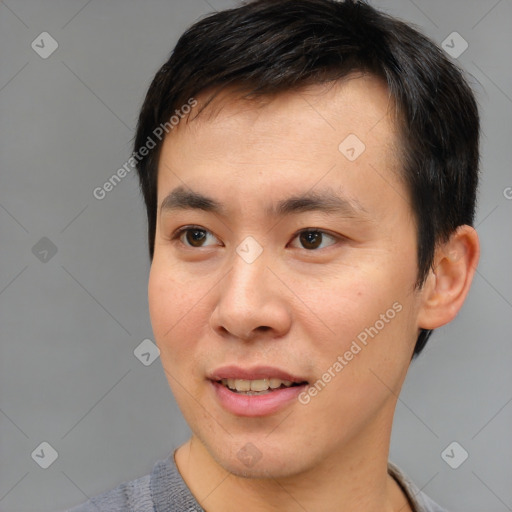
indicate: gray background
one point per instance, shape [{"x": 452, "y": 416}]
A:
[{"x": 70, "y": 321}]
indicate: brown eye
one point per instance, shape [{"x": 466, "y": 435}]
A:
[
  {"x": 194, "y": 236},
  {"x": 313, "y": 239}
]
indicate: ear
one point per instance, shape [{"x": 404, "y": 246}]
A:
[{"x": 447, "y": 284}]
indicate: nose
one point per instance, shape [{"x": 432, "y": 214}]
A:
[{"x": 251, "y": 303}]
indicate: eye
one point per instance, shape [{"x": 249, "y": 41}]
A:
[
  {"x": 193, "y": 236},
  {"x": 196, "y": 237},
  {"x": 312, "y": 239}
]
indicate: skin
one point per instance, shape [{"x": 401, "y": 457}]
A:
[{"x": 294, "y": 307}]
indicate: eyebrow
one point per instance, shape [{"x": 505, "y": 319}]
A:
[{"x": 327, "y": 201}]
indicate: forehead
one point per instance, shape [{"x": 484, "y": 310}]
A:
[{"x": 291, "y": 139}]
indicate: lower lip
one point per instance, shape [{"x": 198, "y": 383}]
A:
[{"x": 256, "y": 405}]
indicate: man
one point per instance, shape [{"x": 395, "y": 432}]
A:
[{"x": 310, "y": 186}]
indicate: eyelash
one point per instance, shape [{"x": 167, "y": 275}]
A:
[{"x": 181, "y": 231}]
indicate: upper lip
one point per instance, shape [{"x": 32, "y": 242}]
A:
[{"x": 253, "y": 373}]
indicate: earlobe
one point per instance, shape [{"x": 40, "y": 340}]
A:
[{"x": 449, "y": 280}]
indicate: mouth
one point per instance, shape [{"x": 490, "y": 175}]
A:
[
  {"x": 258, "y": 386},
  {"x": 257, "y": 391}
]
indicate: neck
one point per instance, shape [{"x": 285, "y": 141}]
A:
[{"x": 351, "y": 478}]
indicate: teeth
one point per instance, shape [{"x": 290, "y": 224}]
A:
[
  {"x": 257, "y": 385},
  {"x": 243, "y": 385},
  {"x": 274, "y": 383}
]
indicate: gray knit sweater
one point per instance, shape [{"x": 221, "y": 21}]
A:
[{"x": 165, "y": 491}]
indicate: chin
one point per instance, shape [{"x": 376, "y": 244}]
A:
[
  {"x": 256, "y": 459},
  {"x": 263, "y": 469}
]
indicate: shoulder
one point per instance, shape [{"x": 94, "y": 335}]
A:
[
  {"x": 419, "y": 500},
  {"x": 163, "y": 489},
  {"x": 134, "y": 495}
]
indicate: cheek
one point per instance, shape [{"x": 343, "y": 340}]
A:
[
  {"x": 362, "y": 368},
  {"x": 352, "y": 299},
  {"x": 178, "y": 322},
  {"x": 174, "y": 307},
  {"x": 368, "y": 318},
  {"x": 162, "y": 301}
]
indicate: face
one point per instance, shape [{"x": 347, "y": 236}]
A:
[{"x": 286, "y": 252}]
